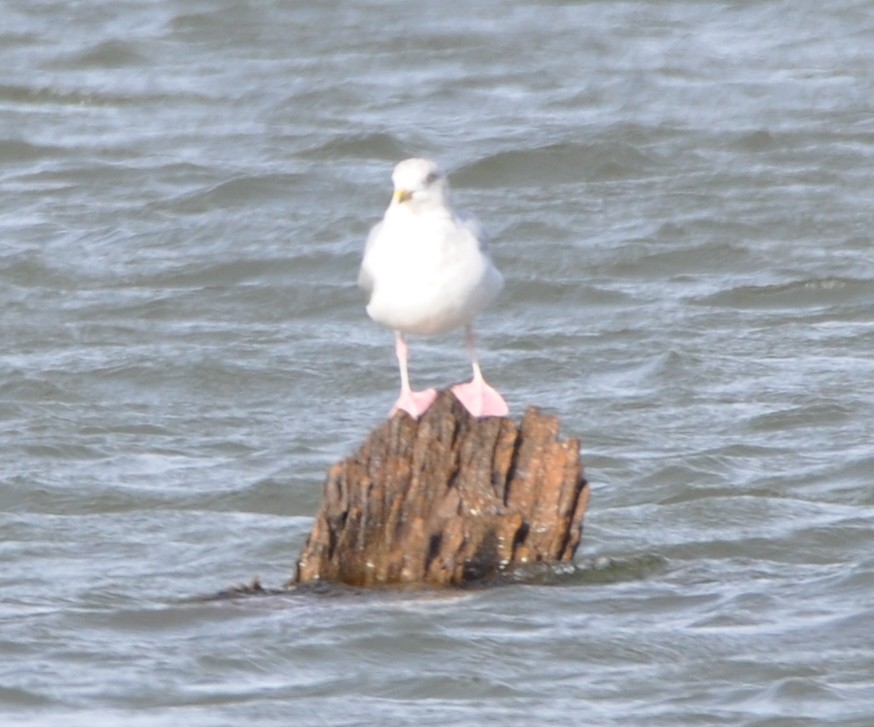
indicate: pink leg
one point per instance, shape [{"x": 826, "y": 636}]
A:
[
  {"x": 478, "y": 397},
  {"x": 415, "y": 403}
]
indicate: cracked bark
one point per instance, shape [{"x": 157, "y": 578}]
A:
[{"x": 448, "y": 500}]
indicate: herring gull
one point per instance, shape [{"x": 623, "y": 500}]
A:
[{"x": 427, "y": 271}]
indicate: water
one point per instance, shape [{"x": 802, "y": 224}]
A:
[{"x": 679, "y": 195}]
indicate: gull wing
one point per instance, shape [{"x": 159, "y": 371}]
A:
[
  {"x": 469, "y": 221},
  {"x": 365, "y": 278}
]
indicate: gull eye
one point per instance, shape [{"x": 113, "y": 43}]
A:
[{"x": 432, "y": 177}]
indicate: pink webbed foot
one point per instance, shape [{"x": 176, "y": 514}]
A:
[
  {"x": 415, "y": 403},
  {"x": 480, "y": 399}
]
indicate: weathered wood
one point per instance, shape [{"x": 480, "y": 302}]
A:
[{"x": 448, "y": 499}]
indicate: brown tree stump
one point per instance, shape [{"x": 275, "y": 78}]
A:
[{"x": 447, "y": 500}]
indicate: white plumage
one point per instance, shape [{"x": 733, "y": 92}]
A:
[{"x": 427, "y": 271}]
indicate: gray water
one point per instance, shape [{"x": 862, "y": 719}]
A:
[{"x": 680, "y": 199}]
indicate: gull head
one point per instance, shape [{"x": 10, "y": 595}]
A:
[{"x": 419, "y": 184}]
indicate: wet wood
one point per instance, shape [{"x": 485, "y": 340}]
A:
[{"x": 448, "y": 500}]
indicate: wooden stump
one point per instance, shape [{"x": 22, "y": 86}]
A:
[{"x": 447, "y": 500}]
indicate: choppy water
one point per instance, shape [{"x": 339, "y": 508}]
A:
[{"x": 680, "y": 198}]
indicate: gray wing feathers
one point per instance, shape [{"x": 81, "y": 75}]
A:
[
  {"x": 472, "y": 224},
  {"x": 365, "y": 279}
]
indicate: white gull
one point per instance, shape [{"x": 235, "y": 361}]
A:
[{"x": 427, "y": 271}]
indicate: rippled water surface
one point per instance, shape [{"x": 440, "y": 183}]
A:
[{"x": 680, "y": 199}]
